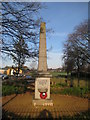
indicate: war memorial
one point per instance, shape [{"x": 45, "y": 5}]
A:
[
  {"x": 42, "y": 82},
  {"x": 40, "y": 101}
]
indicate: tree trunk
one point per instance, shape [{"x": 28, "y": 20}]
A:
[{"x": 78, "y": 71}]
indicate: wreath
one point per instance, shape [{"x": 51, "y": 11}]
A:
[{"x": 43, "y": 95}]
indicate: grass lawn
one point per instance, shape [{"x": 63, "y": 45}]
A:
[
  {"x": 56, "y": 74},
  {"x": 57, "y": 80},
  {"x": 59, "y": 86},
  {"x": 82, "y": 82},
  {"x": 8, "y": 90}
]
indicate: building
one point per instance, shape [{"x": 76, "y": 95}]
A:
[
  {"x": 13, "y": 71},
  {"x": 2, "y": 71}
]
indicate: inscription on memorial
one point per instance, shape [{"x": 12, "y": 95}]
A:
[{"x": 43, "y": 84}]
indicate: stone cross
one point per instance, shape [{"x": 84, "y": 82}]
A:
[{"x": 42, "y": 62}]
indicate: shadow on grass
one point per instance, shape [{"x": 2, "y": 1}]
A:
[
  {"x": 9, "y": 100},
  {"x": 12, "y": 116},
  {"x": 45, "y": 115}
]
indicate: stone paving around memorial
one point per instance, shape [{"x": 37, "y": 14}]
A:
[{"x": 63, "y": 105}]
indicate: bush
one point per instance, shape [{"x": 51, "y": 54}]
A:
[
  {"x": 77, "y": 91},
  {"x": 8, "y": 90},
  {"x": 59, "y": 85},
  {"x": 81, "y": 74}
]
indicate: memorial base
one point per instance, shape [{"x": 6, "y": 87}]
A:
[{"x": 38, "y": 102}]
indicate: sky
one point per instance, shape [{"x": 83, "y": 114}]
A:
[{"x": 62, "y": 17}]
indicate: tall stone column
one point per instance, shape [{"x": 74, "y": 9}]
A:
[
  {"x": 42, "y": 82},
  {"x": 42, "y": 62}
]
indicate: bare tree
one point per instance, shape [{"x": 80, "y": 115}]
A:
[
  {"x": 76, "y": 48},
  {"x": 18, "y": 19},
  {"x": 20, "y": 30},
  {"x": 21, "y": 53}
]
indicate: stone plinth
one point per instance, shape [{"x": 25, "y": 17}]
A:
[
  {"x": 44, "y": 74},
  {"x": 42, "y": 84},
  {"x": 46, "y": 102}
]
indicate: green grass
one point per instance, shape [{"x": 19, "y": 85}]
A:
[
  {"x": 59, "y": 85},
  {"x": 58, "y": 80},
  {"x": 8, "y": 90},
  {"x": 82, "y": 82},
  {"x": 56, "y": 74},
  {"x": 76, "y": 91}
]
